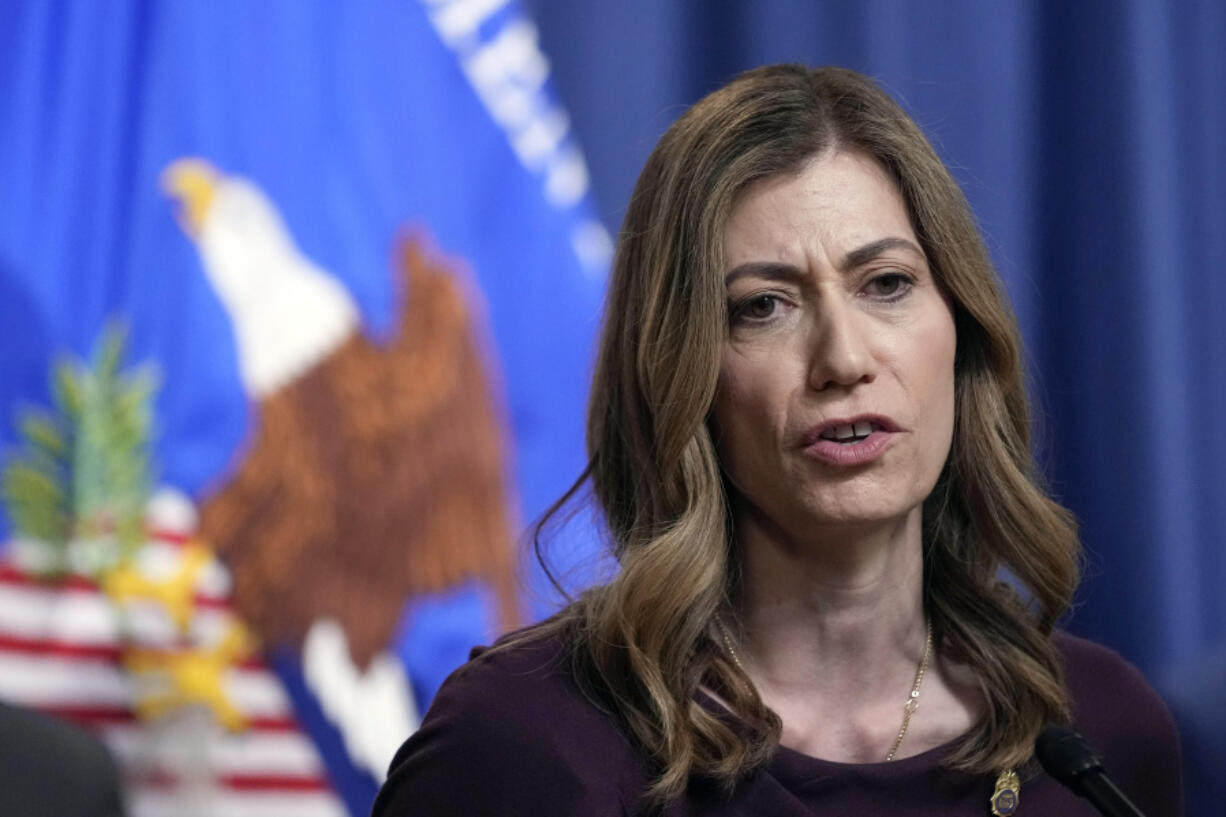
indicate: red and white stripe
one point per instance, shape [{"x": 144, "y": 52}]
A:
[{"x": 60, "y": 652}]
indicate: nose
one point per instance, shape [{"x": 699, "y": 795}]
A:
[{"x": 842, "y": 350}]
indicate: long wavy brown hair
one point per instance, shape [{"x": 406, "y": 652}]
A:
[{"x": 643, "y": 643}]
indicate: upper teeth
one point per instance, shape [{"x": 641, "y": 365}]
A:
[{"x": 862, "y": 429}]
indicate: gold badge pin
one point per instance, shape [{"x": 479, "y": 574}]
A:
[{"x": 1005, "y": 798}]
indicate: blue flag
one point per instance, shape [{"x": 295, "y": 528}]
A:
[{"x": 354, "y": 246}]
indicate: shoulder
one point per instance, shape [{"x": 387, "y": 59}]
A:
[
  {"x": 1110, "y": 695},
  {"x": 1126, "y": 722},
  {"x": 61, "y": 769},
  {"x": 511, "y": 733}
]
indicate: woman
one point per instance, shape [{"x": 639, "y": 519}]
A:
[{"x": 809, "y": 440}]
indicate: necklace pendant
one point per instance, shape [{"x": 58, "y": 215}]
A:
[{"x": 1005, "y": 799}]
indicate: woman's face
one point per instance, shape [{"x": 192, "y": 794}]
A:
[{"x": 835, "y": 402}]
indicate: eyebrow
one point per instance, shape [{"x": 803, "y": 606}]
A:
[
  {"x": 765, "y": 270},
  {"x": 862, "y": 255},
  {"x": 774, "y": 271}
]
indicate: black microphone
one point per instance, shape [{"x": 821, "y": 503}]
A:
[{"x": 1066, "y": 756}]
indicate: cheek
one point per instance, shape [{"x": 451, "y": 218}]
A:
[
  {"x": 727, "y": 415},
  {"x": 939, "y": 346},
  {"x": 743, "y": 411},
  {"x": 750, "y": 385}
]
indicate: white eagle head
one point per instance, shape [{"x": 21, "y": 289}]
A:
[{"x": 287, "y": 312}]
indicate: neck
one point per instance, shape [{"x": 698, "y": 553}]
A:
[{"x": 816, "y": 613}]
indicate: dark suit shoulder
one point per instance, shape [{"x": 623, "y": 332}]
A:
[
  {"x": 50, "y": 766},
  {"x": 1126, "y": 722},
  {"x": 511, "y": 733}
]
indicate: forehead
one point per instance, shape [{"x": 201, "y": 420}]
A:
[{"x": 836, "y": 202}]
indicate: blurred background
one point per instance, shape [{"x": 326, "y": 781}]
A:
[{"x": 298, "y": 300}]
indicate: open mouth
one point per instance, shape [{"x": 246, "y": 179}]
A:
[{"x": 849, "y": 434}]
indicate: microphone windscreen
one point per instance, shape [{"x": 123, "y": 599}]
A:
[{"x": 1065, "y": 755}]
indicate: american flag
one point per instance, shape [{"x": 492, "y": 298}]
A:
[{"x": 62, "y": 652}]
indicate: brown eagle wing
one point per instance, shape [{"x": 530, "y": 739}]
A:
[{"x": 378, "y": 474}]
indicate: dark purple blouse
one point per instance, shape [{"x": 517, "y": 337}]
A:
[{"x": 511, "y": 735}]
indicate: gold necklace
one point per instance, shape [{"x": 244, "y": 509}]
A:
[{"x": 912, "y": 700}]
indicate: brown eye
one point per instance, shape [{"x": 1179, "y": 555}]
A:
[
  {"x": 762, "y": 306},
  {"x": 890, "y": 285}
]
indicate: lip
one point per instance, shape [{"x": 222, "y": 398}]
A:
[
  {"x": 814, "y": 434},
  {"x": 850, "y": 454}
]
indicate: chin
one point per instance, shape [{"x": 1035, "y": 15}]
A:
[
  {"x": 875, "y": 507},
  {"x": 857, "y": 516},
  {"x": 804, "y": 520}
]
